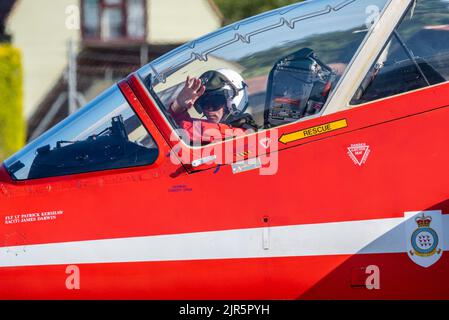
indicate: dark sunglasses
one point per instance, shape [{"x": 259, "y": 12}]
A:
[
  {"x": 211, "y": 102},
  {"x": 212, "y": 107}
]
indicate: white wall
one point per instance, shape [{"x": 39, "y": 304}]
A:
[
  {"x": 178, "y": 21},
  {"x": 39, "y": 30}
]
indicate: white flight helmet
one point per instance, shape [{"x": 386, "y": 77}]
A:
[{"x": 224, "y": 86}]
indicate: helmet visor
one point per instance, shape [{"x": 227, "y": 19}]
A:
[
  {"x": 211, "y": 102},
  {"x": 214, "y": 80}
]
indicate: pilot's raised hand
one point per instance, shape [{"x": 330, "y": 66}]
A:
[{"x": 193, "y": 89}]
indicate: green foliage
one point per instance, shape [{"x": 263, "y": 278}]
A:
[
  {"x": 235, "y": 10},
  {"x": 12, "y": 125}
]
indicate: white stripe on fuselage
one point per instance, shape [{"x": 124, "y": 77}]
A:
[{"x": 339, "y": 238}]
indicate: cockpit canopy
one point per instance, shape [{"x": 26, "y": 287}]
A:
[
  {"x": 291, "y": 58},
  {"x": 106, "y": 134},
  {"x": 291, "y": 62}
]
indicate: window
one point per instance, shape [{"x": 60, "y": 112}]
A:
[
  {"x": 290, "y": 60},
  {"x": 91, "y": 22},
  {"x": 416, "y": 56},
  {"x": 105, "y": 134},
  {"x": 110, "y": 20},
  {"x": 136, "y": 19}
]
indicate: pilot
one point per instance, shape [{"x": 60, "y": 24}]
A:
[{"x": 219, "y": 95}]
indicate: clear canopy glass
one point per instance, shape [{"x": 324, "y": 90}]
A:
[
  {"x": 322, "y": 36},
  {"x": 105, "y": 134}
]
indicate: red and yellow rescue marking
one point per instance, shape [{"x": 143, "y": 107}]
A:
[{"x": 313, "y": 131}]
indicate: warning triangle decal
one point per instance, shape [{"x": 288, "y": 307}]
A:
[{"x": 359, "y": 153}]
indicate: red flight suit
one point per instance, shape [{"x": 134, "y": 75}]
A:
[{"x": 197, "y": 129}]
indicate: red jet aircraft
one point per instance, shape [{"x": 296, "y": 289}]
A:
[{"x": 340, "y": 191}]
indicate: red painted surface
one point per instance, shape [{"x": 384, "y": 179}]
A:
[{"x": 327, "y": 277}]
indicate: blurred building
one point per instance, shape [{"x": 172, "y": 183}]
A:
[{"x": 91, "y": 44}]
